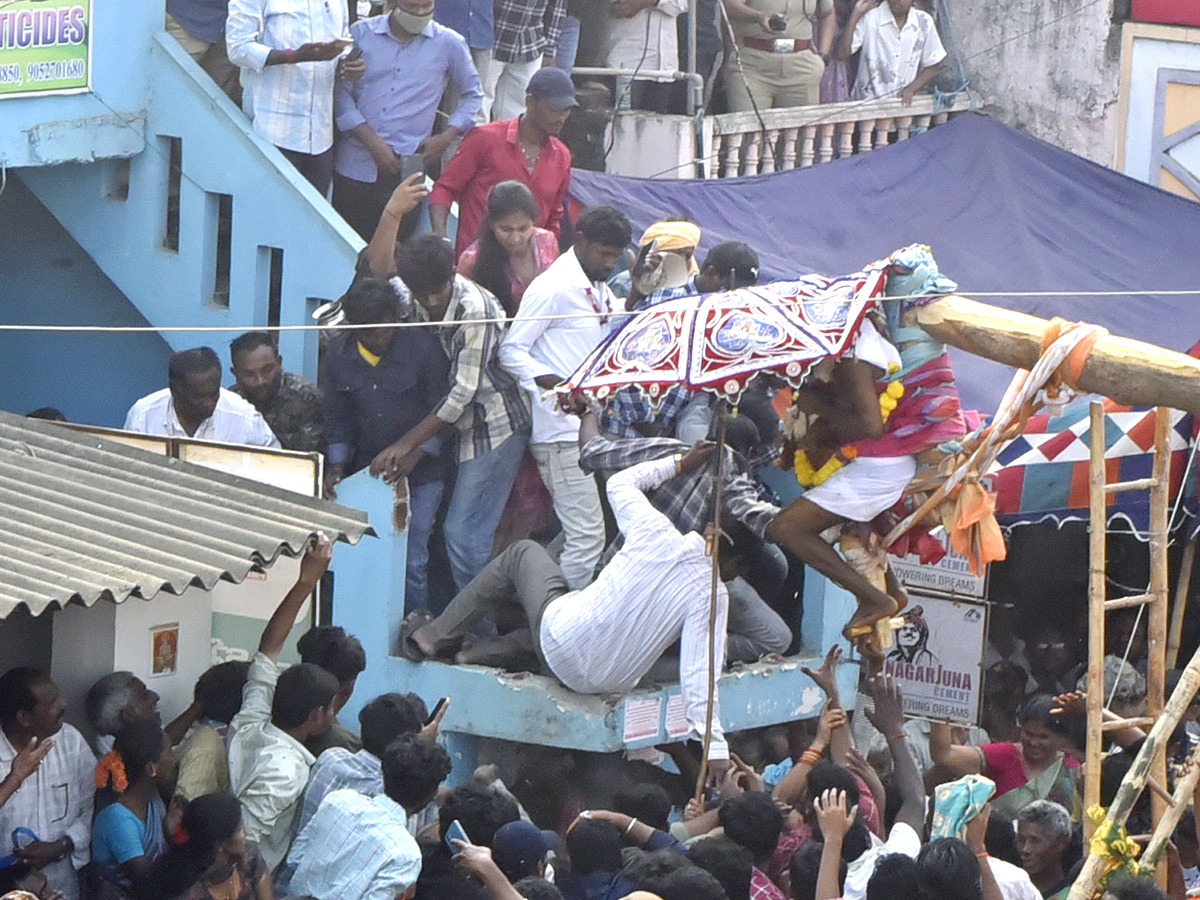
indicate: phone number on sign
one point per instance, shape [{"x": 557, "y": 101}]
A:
[{"x": 55, "y": 70}]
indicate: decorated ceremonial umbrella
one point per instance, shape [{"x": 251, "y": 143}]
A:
[{"x": 718, "y": 342}]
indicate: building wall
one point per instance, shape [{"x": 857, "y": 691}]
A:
[
  {"x": 46, "y": 278},
  {"x": 1159, "y": 123},
  {"x": 1050, "y": 69}
]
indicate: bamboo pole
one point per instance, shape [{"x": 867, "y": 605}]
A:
[
  {"x": 1166, "y": 825},
  {"x": 1182, "y": 590},
  {"x": 1097, "y": 551},
  {"x": 1128, "y": 371},
  {"x": 1156, "y": 672},
  {"x": 718, "y": 485},
  {"x": 1131, "y": 788}
]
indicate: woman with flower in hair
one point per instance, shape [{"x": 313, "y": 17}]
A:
[
  {"x": 133, "y": 778},
  {"x": 214, "y": 861}
]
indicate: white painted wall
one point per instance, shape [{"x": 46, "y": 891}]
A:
[{"x": 1049, "y": 69}]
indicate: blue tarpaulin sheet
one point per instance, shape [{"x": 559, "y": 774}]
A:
[{"x": 1002, "y": 212}]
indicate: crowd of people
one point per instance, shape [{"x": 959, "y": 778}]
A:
[
  {"x": 551, "y": 535},
  {"x": 256, "y": 790},
  {"x": 359, "y": 95}
]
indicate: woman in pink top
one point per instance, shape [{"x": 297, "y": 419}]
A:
[
  {"x": 510, "y": 250},
  {"x": 508, "y": 254}
]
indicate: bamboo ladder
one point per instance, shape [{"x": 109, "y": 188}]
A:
[{"x": 1150, "y": 766}]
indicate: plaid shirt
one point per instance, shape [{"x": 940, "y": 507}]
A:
[
  {"x": 485, "y": 402},
  {"x": 685, "y": 499},
  {"x": 631, "y": 406},
  {"x": 527, "y": 29},
  {"x": 763, "y": 888}
]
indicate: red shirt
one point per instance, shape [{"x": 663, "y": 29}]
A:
[{"x": 490, "y": 154}]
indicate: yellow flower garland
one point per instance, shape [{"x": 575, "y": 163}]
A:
[{"x": 808, "y": 476}]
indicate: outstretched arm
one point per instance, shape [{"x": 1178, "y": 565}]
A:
[
  {"x": 381, "y": 252},
  {"x": 888, "y": 717},
  {"x": 312, "y": 567}
]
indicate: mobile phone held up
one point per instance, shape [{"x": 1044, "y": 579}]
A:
[
  {"x": 437, "y": 710},
  {"x": 455, "y": 833}
]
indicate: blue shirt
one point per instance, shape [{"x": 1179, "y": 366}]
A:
[
  {"x": 369, "y": 407},
  {"x": 473, "y": 19},
  {"x": 400, "y": 92},
  {"x": 202, "y": 19}
]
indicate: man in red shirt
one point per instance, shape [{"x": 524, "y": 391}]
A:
[{"x": 524, "y": 149}]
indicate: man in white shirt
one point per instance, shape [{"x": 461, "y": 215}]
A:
[
  {"x": 53, "y": 798},
  {"x": 268, "y": 762},
  {"x": 543, "y": 352},
  {"x": 287, "y": 50},
  {"x": 195, "y": 405},
  {"x": 901, "y": 50},
  {"x": 358, "y": 847},
  {"x": 604, "y": 638},
  {"x": 641, "y": 34}
]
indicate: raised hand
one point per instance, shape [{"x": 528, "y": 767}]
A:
[
  {"x": 835, "y": 819},
  {"x": 826, "y": 676}
]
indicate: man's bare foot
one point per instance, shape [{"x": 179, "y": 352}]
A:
[
  {"x": 424, "y": 644},
  {"x": 896, "y": 591},
  {"x": 870, "y": 610}
]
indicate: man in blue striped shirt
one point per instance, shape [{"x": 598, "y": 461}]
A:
[{"x": 358, "y": 847}]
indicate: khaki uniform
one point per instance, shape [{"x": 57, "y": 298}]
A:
[{"x": 777, "y": 79}]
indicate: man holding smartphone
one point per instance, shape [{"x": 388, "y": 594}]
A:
[
  {"x": 385, "y": 119},
  {"x": 287, "y": 51}
]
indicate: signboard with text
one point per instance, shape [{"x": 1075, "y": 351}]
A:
[
  {"x": 950, "y": 575},
  {"x": 938, "y": 654},
  {"x": 938, "y": 658},
  {"x": 45, "y": 47}
]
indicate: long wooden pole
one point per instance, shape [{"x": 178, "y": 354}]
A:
[
  {"x": 1131, "y": 788},
  {"x": 1165, "y": 826},
  {"x": 1156, "y": 672},
  {"x": 1097, "y": 583},
  {"x": 1182, "y": 589},
  {"x": 718, "y": 485},
  {"x": 1128, "y": 371}
]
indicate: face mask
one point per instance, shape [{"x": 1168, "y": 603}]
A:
[{"x": 406, "y": 21}]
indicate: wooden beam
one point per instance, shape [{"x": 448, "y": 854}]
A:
[{"x": 1128, "y": 371}]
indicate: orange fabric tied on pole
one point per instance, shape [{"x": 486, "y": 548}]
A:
[
  {"x": 975, "y": 533},
  {"x": 1068, "y": 373}
]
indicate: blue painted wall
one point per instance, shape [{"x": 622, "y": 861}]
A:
[
  {"x": 47, "y": 278},
  {"x": 369, "y": 600}
]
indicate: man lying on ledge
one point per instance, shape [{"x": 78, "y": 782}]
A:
[{"x": 604, "y": 638}]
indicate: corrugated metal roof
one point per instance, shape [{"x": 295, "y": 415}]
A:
[{"x": 84, "y": 518}]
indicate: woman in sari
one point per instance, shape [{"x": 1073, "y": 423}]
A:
[
  {"x": 1032, "y": 768},
  {"x": 214, "y": 861}
]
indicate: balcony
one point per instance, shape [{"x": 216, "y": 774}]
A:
[{"x": 735, "y": 145}]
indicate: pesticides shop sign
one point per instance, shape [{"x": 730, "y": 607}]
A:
[{"x": 45, "y": 47}]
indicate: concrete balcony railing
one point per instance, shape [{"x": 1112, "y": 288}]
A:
[{"x": 734, "y": 145}]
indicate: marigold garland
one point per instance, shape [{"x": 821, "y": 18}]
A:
[
  {"x": 808, "y": 476},
  {"x": 112, "y": 768}
]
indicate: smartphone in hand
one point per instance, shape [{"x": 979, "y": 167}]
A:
[
  {"x": 437, "y": 709},
  {"x": 455, "y": 832}
]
